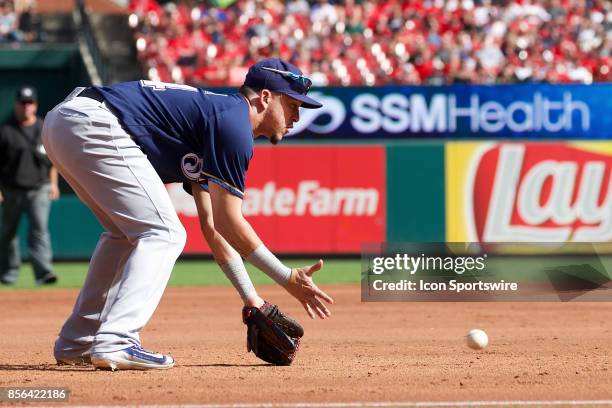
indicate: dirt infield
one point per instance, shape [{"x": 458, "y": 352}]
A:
[{"x": 366, "y": 352}]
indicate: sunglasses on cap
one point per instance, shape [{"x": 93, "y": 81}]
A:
[{"x": 301, "y": 79}]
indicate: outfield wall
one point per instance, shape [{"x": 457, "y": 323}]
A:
[
  {"x": 54, "y": 70},
  {"x": 329, "y": 198}
]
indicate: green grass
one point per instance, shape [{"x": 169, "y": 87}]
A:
[
  {"x": 197, "y": 273},
  {"x": 207, "y": 273}
]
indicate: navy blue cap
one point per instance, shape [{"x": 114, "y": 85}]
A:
[
  {"x": 26, "y": 94},
  {"x": 280, "y": 76}
]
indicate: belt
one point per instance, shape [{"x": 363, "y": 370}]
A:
[{"x": 92, "y": 93}]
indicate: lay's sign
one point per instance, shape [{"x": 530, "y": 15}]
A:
[{"x": 529, "y": 192}]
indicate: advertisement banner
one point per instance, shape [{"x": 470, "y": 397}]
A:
[
  {"x": 306, "y": 199},
  {"x": 529, "y": 192},
  {"x": 535, "y": 111}
]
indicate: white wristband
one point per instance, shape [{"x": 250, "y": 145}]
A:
[
  {"x": 238, "y": 275},
  {"x": 268, "y": 263}
]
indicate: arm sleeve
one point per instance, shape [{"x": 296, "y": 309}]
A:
[{"x": 228, "y": 152}]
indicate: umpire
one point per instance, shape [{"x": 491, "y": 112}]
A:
[{"x": 28, "y": 183}]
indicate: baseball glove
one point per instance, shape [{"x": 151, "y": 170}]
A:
[{"x": 273, "y": 336}]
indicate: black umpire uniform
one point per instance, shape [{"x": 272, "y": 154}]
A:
[{"x": 26, "y": 188}]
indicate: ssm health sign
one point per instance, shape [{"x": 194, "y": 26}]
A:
[{"x": 536, "y": 111}]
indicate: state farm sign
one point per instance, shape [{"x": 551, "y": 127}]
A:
[
  {"x": 544, "y": 192},
  {"x": 310, "y": 198},
  {"x": 305, "y": 199}
]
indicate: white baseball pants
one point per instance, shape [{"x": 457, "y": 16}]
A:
[{"x": 132, "y": 262}]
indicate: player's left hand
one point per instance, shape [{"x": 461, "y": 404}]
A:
[
  {"x": 54, "y": 194},
  {"x": 303, "y": 288}
]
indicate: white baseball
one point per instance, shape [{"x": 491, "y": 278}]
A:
[{"x": 477, "y": 339}]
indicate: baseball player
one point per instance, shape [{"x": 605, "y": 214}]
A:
[{"x": 117, "y": 146}]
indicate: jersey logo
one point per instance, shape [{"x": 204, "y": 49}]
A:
[
  {"x": 162, "y": 86},
  {"x": 191, "y": 165},
  {"x": 213, "y": 93}
]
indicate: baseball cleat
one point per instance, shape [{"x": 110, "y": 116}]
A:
[
  {"x": 48, "y": 279},
  {"x": 132, "y": 358},
  {"x": 73, "y": 360}
]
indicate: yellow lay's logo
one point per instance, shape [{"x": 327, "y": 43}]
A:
[{"x": 529, "y": 192}]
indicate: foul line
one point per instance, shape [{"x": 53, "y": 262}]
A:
[{"x": 398, "y": 404}]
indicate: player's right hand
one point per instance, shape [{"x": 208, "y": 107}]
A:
[{"x": 303, "y": 288}]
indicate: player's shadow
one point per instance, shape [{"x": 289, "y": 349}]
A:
[
  {"x": 225, "y": 365},
  {"x": 67, "y": 368},
  {"x": 42, "y": 367}
]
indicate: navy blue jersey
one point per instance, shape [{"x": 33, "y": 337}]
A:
[{"x": 188, "y": 134}]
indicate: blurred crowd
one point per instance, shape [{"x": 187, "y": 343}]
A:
[
  {"x": 353, "y": 42},
  {"x": 18, "y": 22}
]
